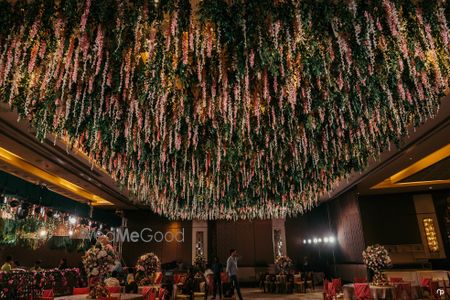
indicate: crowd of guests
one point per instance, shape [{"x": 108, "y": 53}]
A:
[
  {"x": 14, "y": 265},
  {"x": 128, "y": 278}
]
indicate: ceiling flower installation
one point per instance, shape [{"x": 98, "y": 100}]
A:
[{"x": 239, "y": 109}]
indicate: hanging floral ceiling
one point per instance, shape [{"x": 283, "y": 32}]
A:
[{"x": 239, "y": 109}]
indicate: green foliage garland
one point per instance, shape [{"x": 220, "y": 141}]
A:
[{"x": 232, "y": 109}]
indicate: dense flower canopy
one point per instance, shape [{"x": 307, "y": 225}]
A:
[{"x": 225, "y": 109}]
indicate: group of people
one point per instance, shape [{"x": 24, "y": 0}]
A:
[
  {"x": 232, "y": 273},
  {"x": 130, "y": 282},
  {"x": 10, "y": 265}
]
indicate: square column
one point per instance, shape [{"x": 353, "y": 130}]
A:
[{"x": 199, "y": 239}]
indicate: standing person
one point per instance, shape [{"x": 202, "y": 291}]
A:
[
  {"x": 232, "y": 270},
  {"x": 7, "y": 266},
  {"x": 217, "y": 269}
]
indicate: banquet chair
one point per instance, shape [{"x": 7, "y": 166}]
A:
[
  {"x": 47, "y": 295},
  {"x": 337, "y": 283},
  {"x": 403, "y": 291},
  {"x": 309, "y": 281},
  {"x": 148, "y": 293},
  {"x": 80, "y": 291},
  {"x": 159, "y": 277},
  {"x": 362, "y": 291},
  {"x": 114, "y": 289},
  {"x": 162, "y": 294},
  {"x": 299, "y": 284},
  {"x": 330, "y": 292}
]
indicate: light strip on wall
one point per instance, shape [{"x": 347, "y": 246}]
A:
[
  {"x": 394, "y": 180},
  {"x": 27, "y": 167}
]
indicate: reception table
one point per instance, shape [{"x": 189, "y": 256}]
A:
[{"x": 120, "y": 296}]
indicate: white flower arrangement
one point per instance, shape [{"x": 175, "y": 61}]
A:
[
  {"x": 99, "y": 260},
  {"x": 148, "y": 263},
  {"x": 376, "y": 257}
]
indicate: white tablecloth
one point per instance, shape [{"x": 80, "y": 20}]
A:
[
  {"x": 84, "y": 297},
  {"x": 376, "y": 292},
  {"x": 414, "y": 276}
]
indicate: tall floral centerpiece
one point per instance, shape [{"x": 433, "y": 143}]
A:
[
  {"x": 283, "y": 264},
  {"x": 199, "y": 262},
  {"x": 376, "y": 258},
  {"x": 146, "y": 266},
  {"x": 99, "y": 260}
]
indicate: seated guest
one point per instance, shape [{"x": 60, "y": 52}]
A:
[
  {"x": 112, "y": 281},
  {"x": 131, "y": 286},
  {"x": 17, "y": 266},
  {"x": 7, "y": 266},
  {"x": 63, "y": 264},
  {"x": 37, "y": 266}
]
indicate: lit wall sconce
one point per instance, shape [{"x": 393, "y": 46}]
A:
[{"x": 430, "y": 233}]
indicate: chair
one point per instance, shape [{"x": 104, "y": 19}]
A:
[
  {"x": 114, "y": 289},
  {"x": 162, "y": 294},
  {"x": 434, "y": 286},
  {"x": 360, "y": 280},
  {"x": 330, "y": 291},
  {"x": 309, "y": 282},
  {"x": 224, "y": 277},
  {"x": 403, "y": 291},
  {"x": 299, "y": 284},
  {"x": 148, "y": 293},
  {"x": 362, "y": 291},
  {"x": 158, "y": 278},
  {"x": 337, "y": 283},
  {"x": 80, "y": 291},
  {"x": 47, "y": 295}
]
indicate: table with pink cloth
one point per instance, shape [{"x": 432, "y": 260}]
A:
[
  {"x": 122, "y": 296},
  {"x": 376, "y": 292}
]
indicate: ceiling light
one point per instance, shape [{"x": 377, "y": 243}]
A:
[
  {"x": 309, "y": 241},
  {"x": 331, "y": 239},
  {"x": 325, "y": 239},
  {"x": 304, "y": 241},
  {"x": 315, "y": 241},
  {"x": 319, "y": 240}
]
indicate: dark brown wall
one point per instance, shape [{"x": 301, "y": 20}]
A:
[
  {"x": 345, "y": 219},
  {"x": 253, "y": 239},
  {"x": 166, "y": 251},
  {"x": 389, "y": 219},
  {"x": 313, "y": 224},
  {"x": 50, "y": 257}
]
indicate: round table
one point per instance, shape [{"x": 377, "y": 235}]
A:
[
  {"x": 376, "y": 292},
  {"x": 84, "y": 297}
]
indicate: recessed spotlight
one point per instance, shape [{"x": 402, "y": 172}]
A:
[
  {"x": 315, "y": 241},
  {"x": 309, "y": 241},
  {"x": 319, "y": 240},
  {"x": 304, "y": 241},
  {"x": 325, "y": 240},
  {"x": 331, "y": 239}
]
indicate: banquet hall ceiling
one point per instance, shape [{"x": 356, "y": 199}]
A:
[{"x": 242, "y": 109}]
